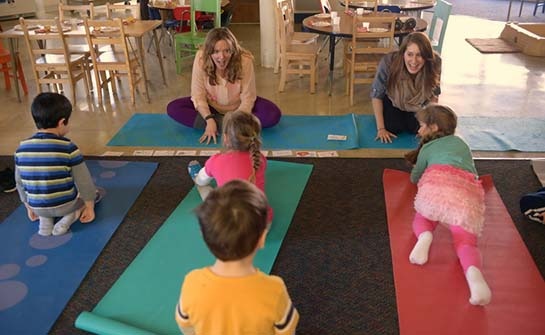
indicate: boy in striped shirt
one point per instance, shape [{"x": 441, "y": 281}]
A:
[{"x": 51, "y": 176}]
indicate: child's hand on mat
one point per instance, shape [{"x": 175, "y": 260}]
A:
[
  {"x": 384, "y": 136},
  {"x": 210, "y": 132},
  {"x": 88, "y": 213}
]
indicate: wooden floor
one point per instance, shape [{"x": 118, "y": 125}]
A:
[{"x": 473, "y": 84}]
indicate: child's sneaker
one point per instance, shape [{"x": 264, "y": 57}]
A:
[
  {"x": 7, "y": 180},
  {"x": 193, "y": 168},
  {"x": 533, "y": 205}
]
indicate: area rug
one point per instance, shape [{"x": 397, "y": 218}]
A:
[
  {"x": 433, "y": 298},
  {"x": 492, "y": 45},
  {"x": 38, "y": 275},
  {"x": 143, "y": 299}
]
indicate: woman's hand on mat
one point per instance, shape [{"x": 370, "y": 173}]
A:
[
  {"x": 384, "y": 136},
  {"x": 210, "y": 132}
]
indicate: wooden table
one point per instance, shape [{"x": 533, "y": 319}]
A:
[
  {"x": 137, "y": 30},
  {"x": 344, "y": 30},
  {"x": 405, "y": 5}
]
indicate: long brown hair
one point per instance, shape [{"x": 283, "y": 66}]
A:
[
  {"x": 243, "y": 132},
  {"x": 232, "y": 219},
  {"x": 434, "y": 114},
  {"x": 234, "y": 68},
  {"x": 430, "y": 70}
]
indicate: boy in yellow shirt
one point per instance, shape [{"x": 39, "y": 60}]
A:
[{"x": 232, "y": 296}]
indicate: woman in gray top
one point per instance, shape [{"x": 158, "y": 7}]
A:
[{"x": 406, "y": 80}]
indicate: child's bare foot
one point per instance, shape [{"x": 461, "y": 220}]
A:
[
  {"x": 419, "y": 254},
  {"x": 480, "y": 292}
]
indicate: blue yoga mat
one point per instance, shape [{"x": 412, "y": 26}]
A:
[
  {"x": 143, "y": 299},
  {"x": 38, "y": 275},
  {"x": 367, "y": 131},
  {"x": 292, "y": 132},
  {"x": 503, "y": 134}
]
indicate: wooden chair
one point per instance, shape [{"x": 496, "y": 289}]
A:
[
  {"x": 186, "y": 44},
  {"x": 122, "y": 11},
  {"x": 51, "y": 61},
  {"x": 296, "y": 36},
  {"x": 119, "y": 61},
  {"x": 5, "y": 68},
  {"x": 68, "y": 14},
  {"x": 367, "y": 48},
  {"x": 83, "y": 11},
  {"x": 296, "y": 58}
]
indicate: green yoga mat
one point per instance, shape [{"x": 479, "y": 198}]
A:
[{"x": 143, "y": 299}]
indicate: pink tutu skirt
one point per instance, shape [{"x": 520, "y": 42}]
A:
[{"x": 451, "y": 196}]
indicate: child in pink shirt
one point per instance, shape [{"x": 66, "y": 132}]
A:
[{"x": 242, "y": 159}]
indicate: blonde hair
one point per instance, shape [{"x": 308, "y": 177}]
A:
[
  {"x": 243, "y": 133},
  {"x": 434, "y": 114}
]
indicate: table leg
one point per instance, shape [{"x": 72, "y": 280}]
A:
[
  {"x": 509, "y": 10},
  {"x": 159, "y": 56},
  {"x": 14, "y": 64},
  {"x": 331, "y": 61},
  {"x": 142, "y": 59}
]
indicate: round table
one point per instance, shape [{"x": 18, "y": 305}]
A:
[
  {"x": 344, "y": 30},
  {"x": 405, "y": 5}
]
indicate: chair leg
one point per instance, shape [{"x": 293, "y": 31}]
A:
[
  {"x": 520, "y": 9},
  {"x": 277, "y": 62},
  {"x": 7, "y": 82},
  {"x": 21, "y": 76},
  {"x": 283, "y": 75},
  {"x": 313, "y": 75},
  {"x": 99, "y": 87}
]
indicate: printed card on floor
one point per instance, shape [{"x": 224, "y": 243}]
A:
[
  {"x": 332, "y": 137},
  {"x": 163, "y": 153},
  {"x": 208, "y": 152},
  {"x": 305, "y": 153},
  {"x": 328, "y": 154},
  {"x": 113, "y": 153},
  {"x": 186, "y": 153},
  {"x": 143, "y": 153},
  {"x": 265, "y": 153},
  {"x": 282, "y": 153}
]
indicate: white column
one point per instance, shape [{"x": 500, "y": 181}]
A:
[{"x": 267, "y": 32}]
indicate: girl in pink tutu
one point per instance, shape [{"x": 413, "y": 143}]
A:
[{"x": 449, "y": 192}]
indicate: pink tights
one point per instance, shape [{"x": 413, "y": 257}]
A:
[{"x": 465, "y": 242}]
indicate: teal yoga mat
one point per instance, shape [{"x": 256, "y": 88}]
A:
[
  {"x": 38, "y": 275},
  {"x": 292, "y": 132},
  {"x": 503, "y": 134},
  {"x": 367, "y": 131},
  {"x": 143, "y": 299}
]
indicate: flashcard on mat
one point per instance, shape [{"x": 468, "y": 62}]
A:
[
  {"x": 281, "y": 153},
  {"x": 305, "y": 154},
  {"x": 143, "y": 153},
  {"x": 208, "y": 152},
  {"x": 186, "y": 153},
  {"x": 163, "y": 153},
  {"x": 328, "y": 154},
  {"x": 113, "y": 153},
  {"x": 332, "y": 137}
]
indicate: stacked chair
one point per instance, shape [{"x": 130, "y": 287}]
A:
[
  {"x": 367, "y": 49},
  {"x": 51, "y": 61},
  {"x": 295, "y": 58}
]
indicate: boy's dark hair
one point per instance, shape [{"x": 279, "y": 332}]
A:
[
  {"x": 48, "y": 108},
  {"x": 232, "y": 219}
]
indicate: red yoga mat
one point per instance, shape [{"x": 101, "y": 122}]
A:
[{"x": 433, "y": 298}]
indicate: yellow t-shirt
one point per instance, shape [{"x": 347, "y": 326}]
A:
[{"x": 257, "y": 304}]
